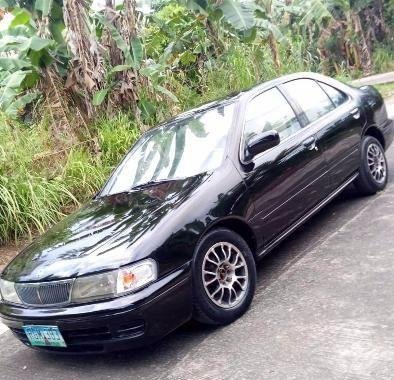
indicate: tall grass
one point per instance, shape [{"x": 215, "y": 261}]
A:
[
  {"x": 31, "y": 203},
  {"x": 383, "y": 59},
  {"x": 40, "y": 184},
  {"x": 115, "y": 137},
  {"x": 243, "y": 66}
]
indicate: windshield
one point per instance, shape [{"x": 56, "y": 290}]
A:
[{"x": 180, "y": 149}]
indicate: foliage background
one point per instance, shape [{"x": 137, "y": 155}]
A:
[{"x": 78, "y": 84}]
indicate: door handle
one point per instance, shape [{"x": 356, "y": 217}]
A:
[
  {"x": 355, "y": 113},
  {"x": 310, "y": 143}
]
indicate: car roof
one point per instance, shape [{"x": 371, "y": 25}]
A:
[
  {"x": 257, "y": 88},
  {"x": 286, "y": 78},
  {"x": 235, "y": 97}
]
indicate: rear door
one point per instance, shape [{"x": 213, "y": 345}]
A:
[
  {"x": 339, "y": 121},
  {"x": 342, "y": 142},
  {"x": 287, "y": 180}
]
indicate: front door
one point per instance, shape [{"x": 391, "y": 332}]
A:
[{"x": 287, "y": 180}]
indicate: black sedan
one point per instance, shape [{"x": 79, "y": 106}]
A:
[{"x": 176, "y": 231}]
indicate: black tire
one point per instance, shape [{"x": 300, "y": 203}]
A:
[
  {"x": 205, "y": 309},
  {"x": 366, "y": 183}
]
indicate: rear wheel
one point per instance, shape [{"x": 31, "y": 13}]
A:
[
  {"x": 373, "y": 168},
  {"x": 224, "y": 277}
]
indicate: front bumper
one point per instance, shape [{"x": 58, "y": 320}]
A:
[{"x": 123, "y": 323}]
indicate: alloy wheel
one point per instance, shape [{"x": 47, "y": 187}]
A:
[
  {"x": 225, "y": 275},
  {"x": 376, "y": 163}
]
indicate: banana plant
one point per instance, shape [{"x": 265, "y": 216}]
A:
[
  {"x": 192, "y": 45},
  {"x": 133, "y": 61},
  {"x": 27, "y": 47},
  {"x": 269, "y": 16},
  {"x": 23, "y": 54},
  {"x": 341, "y": 17},
  {"x": 239, "y": 14}
]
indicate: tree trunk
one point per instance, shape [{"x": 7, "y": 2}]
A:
[
  {"x": 381, "y": 29},
  {"x": 365, "y": 51},
  {"x": 87, "y": 72},
  {"x": 67, "y": 121},
  {"x": 218, "y": 45},
  {"x": 287, "y": 17},
  {"x": 274, "y": 51},
  {"x": 128, "y": 82}
]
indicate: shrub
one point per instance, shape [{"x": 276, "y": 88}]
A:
[{"x": 39, "y": 184}]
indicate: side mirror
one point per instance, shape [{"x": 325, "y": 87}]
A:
[{"x": 262, "y": 142}]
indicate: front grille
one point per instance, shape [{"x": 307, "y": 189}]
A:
[{"x": 49, "y": 293}]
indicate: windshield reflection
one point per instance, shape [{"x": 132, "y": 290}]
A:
[{"x": 180, "y": 149}]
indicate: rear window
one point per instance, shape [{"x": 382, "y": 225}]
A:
[
  {"x": 337, "y": 97},
  {"x": 313, "y": 101}
]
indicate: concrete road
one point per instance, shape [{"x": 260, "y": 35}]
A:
[
  {"x": 324, "y": 309},
  {"x": 375, "y": 79}
]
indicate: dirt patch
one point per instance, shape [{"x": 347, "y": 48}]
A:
[{"x": 9, "y": 251}]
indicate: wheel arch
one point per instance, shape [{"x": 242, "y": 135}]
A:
[
  {"x": 239, "y": 226},
  {"x": 375, "y": 132}
]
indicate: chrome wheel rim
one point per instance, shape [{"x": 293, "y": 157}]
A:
[
  {"x": 225, "y": 275},
  {"x": 376, "y": 163}
]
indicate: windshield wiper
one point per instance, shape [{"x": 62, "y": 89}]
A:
[
  {"x": 98, "y": 196},
  {"x": 151, "y": 183},
  {"x": 135, "y": 188}
]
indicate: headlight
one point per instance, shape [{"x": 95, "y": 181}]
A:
[
  {"x": 8, "y": 292},
  {"x": 114, "y": 283},
  {"x": 101, "y": 285}
]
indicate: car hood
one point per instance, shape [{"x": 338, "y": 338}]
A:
[{"x": 100, "y": 235}]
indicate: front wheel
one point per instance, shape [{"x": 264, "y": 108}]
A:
[
  {"x": 373, "y": 167},
  {"x": 224, "y": 277}
]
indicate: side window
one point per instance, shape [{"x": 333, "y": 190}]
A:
[
  {"x": 311, "y": 98},
  {"x": 337, "y": 97},
  {"x": 269, "y": 111}
]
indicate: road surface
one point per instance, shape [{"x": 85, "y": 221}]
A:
[
  {"x": 324, "y": 309},
  {"x": 375, "y": 79}
]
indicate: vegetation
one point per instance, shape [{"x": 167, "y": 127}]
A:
[
  {"x": 387, "y": 89},
  {"x": 78, "y": 84}
]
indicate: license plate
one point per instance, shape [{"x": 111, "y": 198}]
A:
[{"x": 44, "y": 336}]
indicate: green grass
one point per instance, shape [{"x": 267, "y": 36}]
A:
[
  {"x": 383, "y": 59},
  {"x": 387, "y": 89},
  {"x": 40, "y": 182}
]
